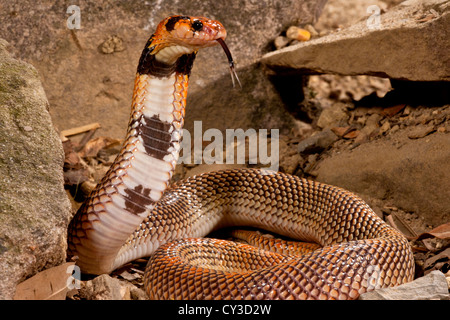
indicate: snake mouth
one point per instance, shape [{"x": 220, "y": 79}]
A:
[{"x": 233, "y": 73}]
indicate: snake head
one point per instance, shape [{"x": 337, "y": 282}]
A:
[
  {"x": 178, "y": 35},
  {"x": 198, "y": 32}
]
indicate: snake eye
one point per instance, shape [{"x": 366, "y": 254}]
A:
[{"x": 197, "y": 25}]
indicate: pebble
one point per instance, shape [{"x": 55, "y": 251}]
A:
[
  {"x": 317, "y": 142},
  {"x": 372, "y": 123},
  {"x": 296, "y": 33},
  {"x": 111, "y": 45},
  {"x": 395, "y": 128},
  {"x": 280, "y": 42},
  {"x": 420, "y": 132},
  {"x": 312, "y": 30},
  {"x": 385, "y": 127},
  {"x": 310, "y": 164}
]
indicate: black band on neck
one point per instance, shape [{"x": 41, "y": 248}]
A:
[
  {"x": 185, "y": 62},
  {"x": 149, "y": 65}
]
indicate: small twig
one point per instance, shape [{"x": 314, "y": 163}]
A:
[
  {"x": 88, "y": 129},
  {"x": 85, "y": 139},
  {"x": 75, "y": 39},
  {"x": 405, "y": 225},
  {"x": 82, "y": 129}
]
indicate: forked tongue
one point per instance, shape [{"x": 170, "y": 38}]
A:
[{"x": 230, "y": 61}]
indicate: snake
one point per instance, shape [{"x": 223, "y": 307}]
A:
[{"x": 343, "y": 249}]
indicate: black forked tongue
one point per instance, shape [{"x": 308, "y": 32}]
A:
[{"x": 230, "y": 61}]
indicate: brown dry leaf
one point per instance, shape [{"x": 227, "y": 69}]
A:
[
  {"x": 75, "y": 176},
  {"x": 74, "y": 171},
  {"x": 129, "y": 276},
  {"x": 441, "y": 232},
  {"x": 346, "y": 132},
  {"x": 50, "y": 284},
  {"x": 339, "y": 131},
  {"x": 427, "y": 18},
  {"x": 392, "y": 111},
  {"x": 71, "y": 158},
  {"x": 436, "y": 262},
  {"x": 352, "y": 134},
  {"x": 93, "y": 146},
  {"x": 401, "y": 225}
]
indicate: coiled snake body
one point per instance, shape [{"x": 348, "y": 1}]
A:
[{"x": 134, "y": 213}]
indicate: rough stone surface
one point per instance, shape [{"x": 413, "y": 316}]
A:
[
  {"x": 256, "y": 105},
  {"x": 338, "y": 14},
  {"x": 333, "y": 117},
  {"x": 433, "y": 286},
  {"x": 411, "y": 43},
  {"x": 85, "y": 85},
  {"x": 317, "y": 142},
  {"x": 412, "y": 174},
  {"x": 34, "y": 208}
]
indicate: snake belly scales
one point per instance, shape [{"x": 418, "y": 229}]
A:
[{"x": 133, "y": 212}]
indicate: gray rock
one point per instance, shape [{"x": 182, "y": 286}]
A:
[
  {"x": 420, "y": 132},
  {"x": 433, "y": 286},
  {"x": 333, "y": 116},
  {"x": 256, "y": 105},
  {"x": 372, "y": 123},
  {"x": 410, "y": 174},
  {"x": 34, "y": 208},
  {"x": 344, "y": 13},
  {"x": 407, "y": 35}
]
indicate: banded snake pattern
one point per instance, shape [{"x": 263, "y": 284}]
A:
[{"x": 134, "y": 212}]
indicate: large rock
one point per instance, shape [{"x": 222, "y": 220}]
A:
[
  {"x": 84, "y": 84},
  {"x": 411, "y": 174},
  {"x": 409, "y": 43},
  {"x": 34, "y": 208},
  {"x": 433, "y": 286}
]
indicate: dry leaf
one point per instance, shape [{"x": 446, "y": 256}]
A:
[
  {"x": 352, "y": 134},
  {"x": 50, "y": 284},
  {"x": 92, "y": 147},
  {"x": 401, "y": 225},
  {"x": 74, "y": 171},
  {"x": 71, "y": 158},
  {"x": 427, "y": 18},
  {"x": 437, "y": 262},
  {"x": 441, "y": 232},
  {"x": 346, "y": 132},
  {"x": 75, "y": 177},
  {"x": 339, "y": 131},
  {"x": 129, "y": 276},
  {"x": 391, "y": 111}
]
